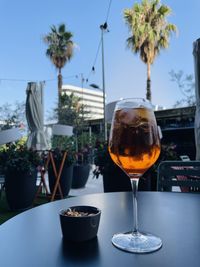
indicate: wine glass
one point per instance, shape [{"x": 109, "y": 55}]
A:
[{"x": 134, "y": 145}]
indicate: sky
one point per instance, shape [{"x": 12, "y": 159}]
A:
[{"x": 23, "y": 25}]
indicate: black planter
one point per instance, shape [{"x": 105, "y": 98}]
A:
[
  {"x": 116, "y": 180},
  {"x": 80, "y": 175},
  {"x": 65, "y": 179},
  {"x": 20, "y": 188}
]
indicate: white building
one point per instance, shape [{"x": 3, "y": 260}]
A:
[{"x": 92, "y": 99}]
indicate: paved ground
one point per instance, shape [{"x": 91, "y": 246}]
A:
[{"x": 93, "y": 186}]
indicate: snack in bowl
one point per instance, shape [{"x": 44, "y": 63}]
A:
[{"x": 79, "y": 223}]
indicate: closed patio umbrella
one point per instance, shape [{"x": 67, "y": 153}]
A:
[
  {"x": 196, "y": 53},
  {"x": 35, "y": 117}
]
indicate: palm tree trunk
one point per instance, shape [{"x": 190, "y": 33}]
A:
[
  {"x": 148, "y": 92},
  {"x": 59, "y": 93}
]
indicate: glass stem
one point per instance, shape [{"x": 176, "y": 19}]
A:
[{"x": 134, "y": 184}]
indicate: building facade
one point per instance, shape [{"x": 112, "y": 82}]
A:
[
  {"x": 92, "y": 100},
  {"x": 177, "y": 127}
]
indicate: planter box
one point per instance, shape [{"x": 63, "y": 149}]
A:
[
  {"x": 116, "y": 180},
  {"x": 80, "y": 175},
  {"x": 65, "y": 180},
  {"x": 20, "y": 188}
]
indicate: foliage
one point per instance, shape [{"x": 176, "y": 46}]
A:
[
  {"x": 20, "y": 142},
  {"x": 60, "y": 45},
  {"x": 168, "y": 152},
  {"x": 84, "y": 155},
  {"x": 60, "y": 50},
  {"x": 58, "y": 156},
  {"x": 149, "y": 31},
  {"x": 85, "y": 140},
  {"x": 12, "y": 115},
  {"x": 186, "y": 84},
  {"x": 80, "y": 156},
  {"x": 104, "y": 163},
  {"x": 17, "y": 157},
  {"x": 72, "y": 111},
  {"x": 61, "y": 144},
  {"x": 102, "y": 160}
]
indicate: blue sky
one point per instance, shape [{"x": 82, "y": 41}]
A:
[{"x": 22, "y": 54}]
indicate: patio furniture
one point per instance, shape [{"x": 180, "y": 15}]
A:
[
  {"x": 184, "y": 175},
  {"x": 34, "y": 238},
  {"x": 35, "y": 116},
  {"x": 57, "y": 129}
]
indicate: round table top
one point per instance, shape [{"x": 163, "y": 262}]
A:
[{"x": 34, "y": 239}]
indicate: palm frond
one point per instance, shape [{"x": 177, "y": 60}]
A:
[
  {"x": 149, "y": 29},
  {"x": 60, "y": 45}
]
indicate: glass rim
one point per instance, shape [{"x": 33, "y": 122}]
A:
[{"x": 141, "y": 103}]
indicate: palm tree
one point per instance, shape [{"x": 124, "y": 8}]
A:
[
  {"x": 60, "y": 50},
  {"x": 150, "y": 32}
]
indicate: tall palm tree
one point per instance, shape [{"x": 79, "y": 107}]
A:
[
  {"x": 150, "y": 32},
  {"x": 60, "y": 50}
]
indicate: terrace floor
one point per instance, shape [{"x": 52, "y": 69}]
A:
[{"x": 93, "y": 186}]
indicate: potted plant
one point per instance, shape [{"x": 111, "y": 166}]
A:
[
  {"x": 74, "y": 113},
  {"x": 19, "y": 165},
  {"x": 60, "y": 145},
  {"x": 168, "y": 152},
  {"x": 114, "y": 179},
  {"x": 81, "y": 169},
  {"x": 70, "y": 112}
]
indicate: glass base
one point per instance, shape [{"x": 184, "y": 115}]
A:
[{"x": 137, "y": 242}]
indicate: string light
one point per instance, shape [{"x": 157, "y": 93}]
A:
[{"x": 28, "y": 80}]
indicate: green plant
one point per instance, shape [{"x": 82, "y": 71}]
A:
[
  {"x": 17, "y": 157},
  {"x": 84, "y": 155},
  {"x": 58, "y": 156},
  {"x": 61, "y": 144},
  {"x": 60, "y": 51},
  {"x": 72, "y": 112},
  {"x": 168, "y": 152},
  {"x": 149, "y": 32},
  {"x": 104, "y": 163},
  {"x": 102, "y": 160}
]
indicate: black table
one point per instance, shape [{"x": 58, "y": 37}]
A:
[{"x": 34, "y": 239}]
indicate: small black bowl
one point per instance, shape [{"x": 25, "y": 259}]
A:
[{"x": 80, "y": 228}]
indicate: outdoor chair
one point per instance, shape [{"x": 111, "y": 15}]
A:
[{"x": 182, "y": 176}]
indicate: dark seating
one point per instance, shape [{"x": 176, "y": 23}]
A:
[{"x": 183, "y": 176}]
